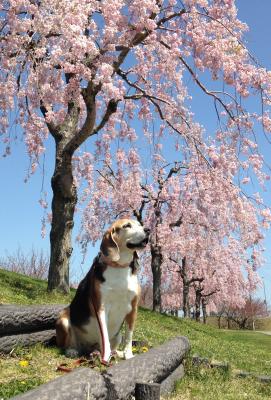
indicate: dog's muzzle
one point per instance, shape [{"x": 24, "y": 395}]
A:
[{"x": 142, "y": 244}]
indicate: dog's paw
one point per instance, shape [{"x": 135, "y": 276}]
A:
[
  {"x": 120, "y": 353},
  {"x": 127, "y": 354},
  {"x": 95, "y": 355},
  {"x": 71, "y": 353}
]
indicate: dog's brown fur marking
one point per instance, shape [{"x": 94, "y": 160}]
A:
[
  {"x": 62, "y": 330},
  {"x": 131, "y": 317}
]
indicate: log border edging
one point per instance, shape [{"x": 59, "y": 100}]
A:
[
  {"x": 226, "y": 367},
  {"x": 162, "y": 364},
  {"x": 27, "y": 325},
  {"x": 23, "y": 319}
]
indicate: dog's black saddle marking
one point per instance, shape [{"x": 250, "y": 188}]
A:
[{"x": 80, "y": 311}]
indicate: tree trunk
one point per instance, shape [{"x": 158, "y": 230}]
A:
[
  {"x": 204, "y": 311},
  {"x": 242, "y": 323},
  {"x": 156, "y": 262},
  {"x": 228, "y": 323},
  {"x": 186, "y": 307},
  {"x": 197, "y": 304},
  {"x": 253, "y": 324},
  {"x": 186, "y": 285},
  {"x": 63, "y": 205}
]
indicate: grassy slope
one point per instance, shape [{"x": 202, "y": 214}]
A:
[
  {"x": 248, "y": 351},
  {"x": 21, "y": 289}
]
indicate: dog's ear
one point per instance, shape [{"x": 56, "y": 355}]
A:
[{"x": 109, "y": 246}]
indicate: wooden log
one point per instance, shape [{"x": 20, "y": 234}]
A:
[
  {"x": 153, "y": 366},
  {"x": 81, "y": 384},
  {"x": 22, "y": 319},
  {"x": 147, "y": 391},
  {"x": 7, "y": 343},
  {"x": 168, "y": 385},
  {"x": 264, "y": 378},
  {"x": 119, "y": 381}
]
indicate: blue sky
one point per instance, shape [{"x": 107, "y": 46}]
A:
[{"x": 20, "y": 212}]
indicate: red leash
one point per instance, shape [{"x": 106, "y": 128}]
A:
[
  {"x": 65, "y": 368},
  {"x": 101, "y": 332}
]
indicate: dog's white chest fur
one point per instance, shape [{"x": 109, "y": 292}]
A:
[{"x": 117, "y": 292}]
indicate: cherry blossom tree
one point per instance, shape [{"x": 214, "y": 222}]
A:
[
  {"x": 78, "y": 69},
  {"x": 203, "y": 228},
  {"x": 244, "y": 315}
]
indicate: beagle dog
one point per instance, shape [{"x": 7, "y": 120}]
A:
[{"x": 106, "y": 297}]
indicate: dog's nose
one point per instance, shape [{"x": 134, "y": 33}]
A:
[{"x": 147, "y": 230}]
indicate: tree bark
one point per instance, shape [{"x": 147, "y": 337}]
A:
[
  {"x": 147, "y": 391},
  {"x": 186, "y": 307},
  {"x": 63, "y": 206},
  {"x": 156, "y": 262},
  {"x": 228, "y": 323},
  {"x": 197, "y": 304},
  {"x": 242, "y": 323},
  {"x": 22, "y": 319},
  {"x": 159, "y": 365},
  {"x": 186, "y": 286},
  {"x": 9, "y": 342},
  {"x": 168, "y": 385},
  {"x": 204, "y": 311}
]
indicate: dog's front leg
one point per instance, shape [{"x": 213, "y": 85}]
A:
[
  {"x": 104, "y": 337},
  {"x": 127, "y": 352},
  {"x": 129, "y": 329}
]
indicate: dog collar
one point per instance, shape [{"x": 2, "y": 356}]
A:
[{"x": 109, "y": 263}]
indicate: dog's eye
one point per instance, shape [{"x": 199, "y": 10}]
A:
[{"x": 127, "y": 226}]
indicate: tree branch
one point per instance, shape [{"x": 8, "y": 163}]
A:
[
  {"x": 111, "y": 109},
  {"x": 138, "y": 213},
  {"x": 198, "y": 82},
  {"x": 169, "y": 17},
  {"x": 53, "y": 129},
  {"x": 87, "y": 128}
]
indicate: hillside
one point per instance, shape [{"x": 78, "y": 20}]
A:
[
  {"x": 244, "y": 350},
  {"x": 21, "y": 289}
]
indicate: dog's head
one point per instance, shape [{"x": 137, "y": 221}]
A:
[{"x": 122, "y": 236}]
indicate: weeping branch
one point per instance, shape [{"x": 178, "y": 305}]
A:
[{"x": 200, "y": 84}]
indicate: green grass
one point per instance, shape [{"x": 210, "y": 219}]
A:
[
  {"x": 244, "y": 350},
  {"x": 21, "y": 289},
  {"x": 210, "y": 384}
]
